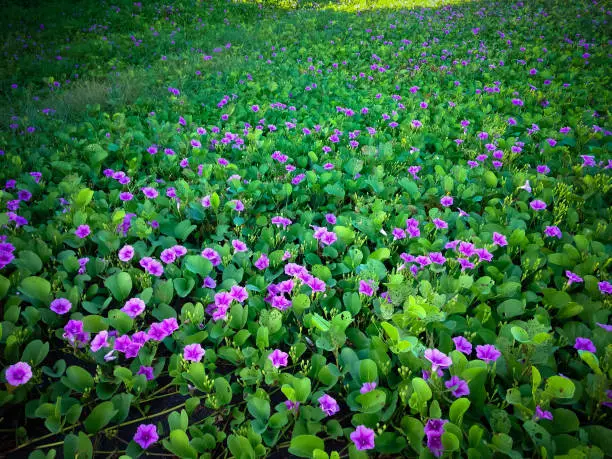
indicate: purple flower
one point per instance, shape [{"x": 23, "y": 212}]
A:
[
  {"x": 150, "y": 192},
  {"x": 239, "y": 246},
  {"x": 573, "y": 278},
  {"x": 147, "y": 371},
  {"x": 487, "y": 353},
  {"x": 18, "y": 374},
  {"x": 126, "y": 253},
  {"x": 328, "y": 405},
  {"x": 584, "y": 344},
  {"x": 168, "y": 256},
  {"x": 292, "y": 405},
  {"x": 439, "y": 223},
  {"x": 330, "y": 218},
  {"x": 146, "y": 435},
  {"x": 363, "y": 438},
  {"x": 537, "y": 205},
  {"x": 462, "y": 345},
  {"x": 605, "y": 287},
  {"x": 99, "y": 341},
  {"x": 82, "y": 231},
  {"x": 193, "y": 352},
  {"x": 606, "y": 327},
  {"x": 366, "y": 288},
  {"x": 543, "y": 169},
  {"x": 238, "y": 293},
  {"x": 60, "y": 306},
  {"x": 553, "y": 231},
  {"x": 262, "y": 262},
  {"x": 446, "y": 201},
  {"x": 133, "y": 307},
  {"x": 457, "y": 386},
  {"x": 278, "y": 358},
  {"x": 367, "y": 387},
  {"x": 499, "y": 239},
  {"x": 542, "y": 414},
  {"x": 438, "y": 359},
  {"x": 434, "y": 430}
]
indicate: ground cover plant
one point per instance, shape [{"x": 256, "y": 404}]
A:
[{"x": 335, "y": 229}]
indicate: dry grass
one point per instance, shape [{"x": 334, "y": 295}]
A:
[{"x": 73, "y": 101}]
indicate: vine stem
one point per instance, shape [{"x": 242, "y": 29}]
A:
[{"x": 133, "y": 421}]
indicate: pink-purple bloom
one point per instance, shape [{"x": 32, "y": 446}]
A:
[
  {"x": 537, "y": 205},
  {"x": 438, "y": 359},
  {"x": 146, "y": 435},
  {"x": 193, "y": 352},
  {"x": 278, "y": 358},
  {"x": 134, "y": 307},
  {"x": 584, "y": 344},
  {"x": 363, "y": 438},
  {"x": 542, "y": 414},
  {"x": 457, "y": 386},
  {"x": 126, "y": 253},
  {"x": 18, "y": 374},
  {"x": 462, "y": 345},
  {"x": 60, "y": 306},
  {"x": 487, "y": 353},
  {"x": 82, "y": 231},
  {"x": 367, "y": 387},
  {"x": 328, "y": 405}
]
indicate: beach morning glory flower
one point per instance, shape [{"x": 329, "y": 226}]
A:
[
  {"x": 462, "y": 345},
  {"x": 193, "y": 352},
  {"x": 146, "y": 435},
  {"x": 457, "y": 386},
  {"x": 328, "y": 405},
  {"x": 542, "y": 414},
  {"x": 363, "y": 438},
  {"x": 367, "y": 387},
  {"x": 278, "y": 358},
  {"x": 18, "y": 374},
  {"x": 487, "y": 353},
  {"x": 438, "y": 359},
  {"x": 584, "y": 344},
  {"x": 82, "y": 231},
  {"x": 60, "y": 306}
]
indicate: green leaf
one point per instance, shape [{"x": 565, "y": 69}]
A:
[
  {"x": 120, "y": 285},
  {"x": 520, "y": 334},
  {"x": 259, "y": 408},
  {"x": 183, "y": 230},
  {"x": 5, "y": 284},
  {"x": 304, "y": 445},
  {"x": 198, "y": 265},
  {"x": 450, "y": 442},
  {"x": 79, "y": 379},
  {"x": 77, "y": 447},
  {"x": 240, "y": 447},
  {"x": 183, "y": 286},
  {"x": 457, "y": 409},
  {"x": 215, "y": 201},
  {"x": 99, "y": 417},
  {"x": 29, "y": 261},
  {"x": 560, "y": 387},
  {"x": 35, "y": 352},
  {"x": 36, "y": 288},
  {"x": 511, "y": 308},
  {"x": 178, "y": 444},
  {"x": 223, "y": 391},
  {"x": 83, "y": 198},
  {"x": 372, "y": 402},
  {"x": 422, "y": 389},
  {"x": 368, "y": 371}
]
